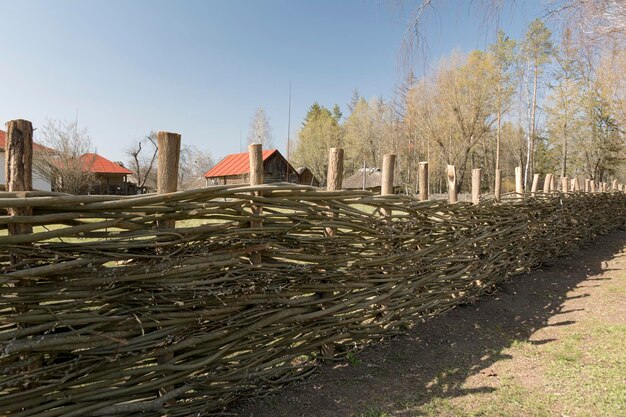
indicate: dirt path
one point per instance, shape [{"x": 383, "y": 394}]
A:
[{"x": 549, "y": 343}]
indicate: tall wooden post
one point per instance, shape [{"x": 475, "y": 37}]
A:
[
  {"x": 498, "y": 186},
  {"x": 575, "y": 184},
  {"x": 168, "y": 145},
  {"x": 334, "y": 177},
  {"x": 519, "y": 184},
  {"x": 386, "y": 185},
  {"x": 592, "y": 186},
  {"x": 546, "y": 183},
  {"x": 476, "y": 186},
  {"x": 167, "y": 174},
  {"x": 614, "y": 185},
  {"x": 564, "y": 185},
  {"x": 255, "y": 152},
  {"x": 587, "y": 185},
  {"x": 18, "y": 168},
  {"x": 533, "y": 189},
  {"x": 423, "y": 181},
  {"x": 452, "y": 192}
]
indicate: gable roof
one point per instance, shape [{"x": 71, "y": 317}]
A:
[
  {"x": 3, "y": 142},
  {"x": 236, "y": 164},
  {"x": 98, "y": 164}
]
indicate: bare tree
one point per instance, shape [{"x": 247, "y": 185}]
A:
[
  {"x": 260, "y": 129},
  {"x": 143, "y": 156},
  {"x": 192, "y": 166},
  {"x": 65, "y": 161}
]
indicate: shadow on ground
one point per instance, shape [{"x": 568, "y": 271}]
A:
[{"x": 433, "y": 359}]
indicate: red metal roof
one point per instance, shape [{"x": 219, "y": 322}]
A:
[
  {"x": 235, "y": 164},
  {"x": 3, "y": 142},
  {"x": 100, "y": 165}
]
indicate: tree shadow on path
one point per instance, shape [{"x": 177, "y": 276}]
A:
[{"x": 435, "y": 358}]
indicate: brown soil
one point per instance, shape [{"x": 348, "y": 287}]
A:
[{"x": 457, "y": 354}]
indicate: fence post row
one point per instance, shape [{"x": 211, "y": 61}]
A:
[
  {"x": 476, "y": 186},
  {"x": 452, "y": 192},
  {"x": 255, "y": 152},
  {"x": 423, "y": 181}
]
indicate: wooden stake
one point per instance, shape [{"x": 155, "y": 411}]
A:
[
  {"x": 423, "y": 181},
  {"x": 614, "y": 185},
  {"x": 255, "y": 152},
  {"x": 498, "y": 186},
  {"x": 167, "y": 172},
  {"x": 592, "y": 186},
  {"x": 587, "y": 185},
  {"x": 546, "y": 183},
  {"x": 476, "y": 186},
  {"x": 564, "y": 185},
  {"x": 519, "y": 185},
  {"x": 18, "y": 168},
  {"x": 386, "y": 185},
  {"x": 452, "y": 193},
  {"x": 334, "y": 177},
  {"x": 533, "y": 189}
]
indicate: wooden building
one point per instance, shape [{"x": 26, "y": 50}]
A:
[
  {"x": 306, "y": 177},
  {"x": 110, "y": 177},
  {"x": 235, "y": 169},
  {"x": 368, "y": 179}
]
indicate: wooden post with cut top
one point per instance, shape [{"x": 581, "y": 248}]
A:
[
  {"x": 452, "y": 192},
  {"x": 255, "y": 152},
  {"x": 565, "y": 185},
  {"x": 533, "y": 189},
  {"x": 519, "y": 184},
  {"x": 423, "y": 181},
  {"x": 587, "y": 185},
  {"x": 334, "y": 178},
  {"x": 476, "y": 186},
  {"x": 547, "y": 183},
  {"x": 18, "y": 168},
  {"x": 592, "y": 186},
  {"x": 168, "y": 145},
  {"x": 168, "y": 154},
  {"x": 497, "y": 193},
  {"x": 386, "y": 184}
]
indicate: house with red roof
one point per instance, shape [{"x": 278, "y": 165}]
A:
[
  {"x": 39, "y": 182},
  {"x": 235, "y": 169},
  {"x": 110, "y": 177}
]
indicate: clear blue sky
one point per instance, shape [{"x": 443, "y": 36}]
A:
[{"x": 201, "y": 68}]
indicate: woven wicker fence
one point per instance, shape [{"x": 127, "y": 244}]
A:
[{"x": 103, "y": 313}]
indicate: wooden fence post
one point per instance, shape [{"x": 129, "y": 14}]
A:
[
  {"x": 255, "y": 152},
  {"x": 476, "y": 186},
  {"x": 519, "y": 184},
  {"x": 546, "y": 183},
  {"x": 498, "y": 186},
  {"x": 452, "y": 193},
  {"x": 564, "y": 185},
  {"x": 614, "y": 185},
  {"x": 423, "y": 181},
  {"x": 168, "y": 149},
  {"x": 18, "y": 167},
  {"x": 575, "y": 184},
  {"x": 18, "y": 170},
  {"x": 587, "y": 185},
  {"x": 168, "y": 145},
  {"x": 592, "y": 186},
  {"x": 386, "y": 184},
  {"x": 334, "y": 177},
  {"x": 533, "y": 188},
  {"x": 552, "y": 180}
]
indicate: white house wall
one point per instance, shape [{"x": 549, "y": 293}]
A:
[{"x": 39, "y": 183}]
